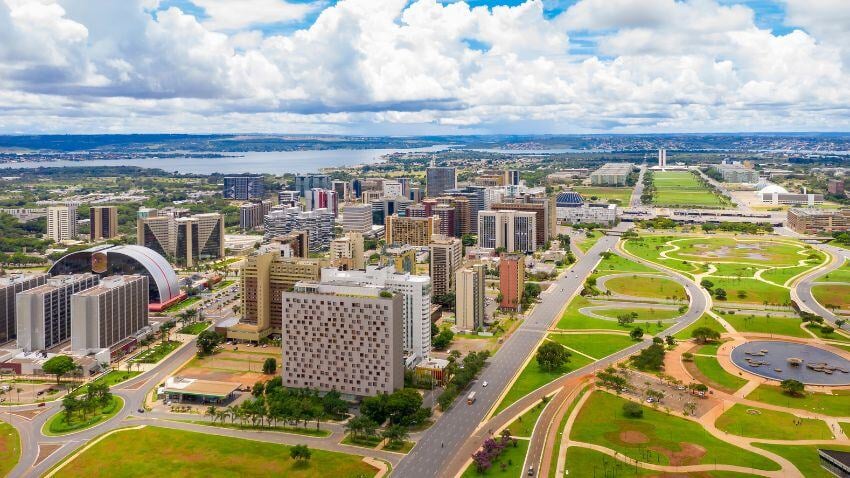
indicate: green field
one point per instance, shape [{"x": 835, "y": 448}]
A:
[
  {"x": 533, "y": 377},
  {"x": 10, "y": 448},
  {"x": 842, "y": 274},
  {"x": 643, "y": 314},
  {"x": 184, "y": 304},
  {"x": 587, "y": 242},
  {"x": 771, "y": 425},
  {"x": 605, "y": 194},
  {"x": 751, "y": 291},
  {"x": 832, "y": 295},
  {"x": 704, "y": 321},
  {"x": 596, "y": 345},
  {"x": 781, "y": 276},
  {"x": 586, "y": 462},
  {"x": 194, "y": 329},
  {"x": 715, "y": 376},
  {"x": 140, "y": 453},
  {"x": 657, "y": 437},
  {"x": 789, "y": 326},
  {"x": 512, "y": 456},
  {"x": 614, "y": 263},
  {"x": 649, "y": 247},
  {"x": 763, "y": 253},
  {"x": 835, "y": 405},
  {"x": 648, "y": 287},
  {"x": 804, "y": 457},
  {"x": 575, "y": 320},
  {"x": 682, "y": 189},
  {"x": 157, "y": 352},
  {"x": 57, "y": 425}
]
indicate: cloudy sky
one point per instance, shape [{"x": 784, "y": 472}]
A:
[{"x": 424, "y": 66}]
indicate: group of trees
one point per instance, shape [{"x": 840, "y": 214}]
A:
[
  {"x": 447, "y": 300},
  {"x": 741, "y": 227},
  {"x": 612, "y": 379},
  {"x": 792, "y": 387},
  {"x": 530, "y": 293},
  {"x": 442, "y": 338},
  {"x": 552, "y": 356},
  {"x": 650, "y": 358},
  {"x": 402, "y": 407},
  {"x": 704, "y": 335},
  {"x": 461, "y": 376},
  {"x": 718, "y": 293},
  {"x": 59, "y": 366},
  {"x": 490, "y": 451},
  {"x": 658, "y": 223},
  {"x": 208, "y": 341},
  {"x": 97, "y": 396}
]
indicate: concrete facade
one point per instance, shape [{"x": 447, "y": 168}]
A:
[
  {"x": 469, "y": 297},
  {"x": 44, "y": 312},
  {"x": 109, "y": 313}
]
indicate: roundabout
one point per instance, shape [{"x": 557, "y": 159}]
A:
[{"x": 780, "y": 360}]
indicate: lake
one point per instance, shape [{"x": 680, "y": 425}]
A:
[{"x": 273, "y": 162}]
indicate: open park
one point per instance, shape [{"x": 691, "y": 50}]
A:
[{"x": 684, "y": 189}]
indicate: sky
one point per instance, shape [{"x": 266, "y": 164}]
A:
[{"x": 422, "y": 67}]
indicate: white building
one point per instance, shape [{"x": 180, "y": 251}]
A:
[
  {"x": 393, "y": 189},
  {"x": 588, "y": 213},
  {"x": 319, "y": 225},
  {"x": 662, "y": 158},
  {"x": 62, "y": 223},
  {"x": 110, "y": 313},
  {"x": 357, "y": 218},
  {"x": 516, "y": 231}
]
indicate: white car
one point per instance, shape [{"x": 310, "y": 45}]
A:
[{"x": 484, "y": 384}]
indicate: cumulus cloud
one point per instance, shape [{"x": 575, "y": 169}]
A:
[{"x": 380, "y": 65}]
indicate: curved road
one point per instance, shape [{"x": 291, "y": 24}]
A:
[{"x": 802, "y": 290}]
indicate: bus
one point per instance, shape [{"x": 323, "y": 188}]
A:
[{"x": 470, "y": 399}]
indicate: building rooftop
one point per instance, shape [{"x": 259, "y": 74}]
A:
[
  {"x": 198, "y": 387},
  {"x": 108, "y": 283}
]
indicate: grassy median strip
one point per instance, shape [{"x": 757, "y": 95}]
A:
[{"x": 61, "y": 424}]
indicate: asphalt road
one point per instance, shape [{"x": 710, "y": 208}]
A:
[
  {"x": 635, "y": 201},
  {"x": 802, "y": 293}
]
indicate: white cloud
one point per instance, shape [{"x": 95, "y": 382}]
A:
[{"x": 230, "y": 15}]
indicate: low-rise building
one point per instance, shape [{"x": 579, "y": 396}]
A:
[
  {"x": 611, "y": 174},
  {"x": 589, "y": 213},
  {"x": 347, "y": 252},
  {"x": 818, "y": 221}
]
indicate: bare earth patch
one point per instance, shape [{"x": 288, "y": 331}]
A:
[
  {"x": 690, "y": 454},
  {"x": 633, "y": 437}
]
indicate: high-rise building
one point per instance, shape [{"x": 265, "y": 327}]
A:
[
  {"x": 356, "y": 188},
  {"x": 157, "y": 233},
  {"x": 243, "y": 187},
  {"x": 199, "y": 237},
  {"x": 43, "y": 313},
  {"x": 293, "y": 244},
  {"x": 446, "y": 258},
  {"x": 469, "y": 297},
  {"x": 319, "y": 225},
  {"x": 306, "y": 182},
  {"x": 251, "y": 214},
  {"x": 511, "y": 280},
  {"x": 446, "y": 213},
  {"x": 62, "y": 223},
  {"x": 439, "y": 179},
  {"x": 476, "y": 197},
  {"x": 321, "y": 199},
  {"x": 835, "y": 187},
  {"x": 512, "y": 177},
  {"x": 9, "y": 288},
  {"x": 417, "y": 193},
  {"x": 544, "y": 209},
  {"x": 414, "y": 231},
  {"x": 515, "y": 231},
  {"x": 347, "y": 252},
  {"x": 109, "y": 313},
  {"x": 103, "y": 222},
  {"x": 357, "y": 218},
  {"x": 342, "y": 190},
  {"x": 393, "y": 189},
  {"x": 343, "y": 338},
  {"x": 146, "y": 212},
  {"x": 416, "y": 303},
  {"x": 662, "y": 158},
  {"x": 288, "y": 198},
  {"x": 385, "y": 207}
]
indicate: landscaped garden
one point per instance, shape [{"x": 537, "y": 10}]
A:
[
  {"x": 533, "y": 376},
  {"x": 804, "y": 457},
  {"x": 833, "y": 296},
  {"x": 157, "y": 352},
  {"x": 708, "y": 371},
  {"x": 194, "y": 329},
  {"x": 766, "y": 324},
  {"x": 507, "y": 464},
  {"x": 646, "y": 287},
  {"x": 111, "y": 378},
  {"x": 683, "y": 189},
  {"x": 837, "y": 404},
  {"x": 80, "y": 418},
  {"x": 595, "y": 345},
  {"x": 752, "y": 422}
]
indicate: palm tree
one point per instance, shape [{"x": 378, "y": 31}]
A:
[
  {"x": 211, "y": 412},
  {"x": 232, "y": 412}
]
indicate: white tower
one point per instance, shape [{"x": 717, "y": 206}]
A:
[{"x": 662, "y": 158}]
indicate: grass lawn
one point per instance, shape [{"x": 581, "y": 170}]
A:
[
  {"x": 835, "y": 405},
  {"x": 780, "y": 276},
  {"x": 646, "y": 315},
  {"x": 573, "y": 319},
  {"x": 842, "y": 274},
  {"x": 10, "y": 448},
  {"x": 614, "y": 263},
  {"x": 649, "y": 248},
  {"x": 832, "y": 295},
  {"x": 182, "y": 305},
  {"x": 523, "y": 426},
  {"x": 140, "y": 453},
  {"x": 713, "y": 375},
  {"x": 681, "y": 188},
  {"x": 223, "y": 284},
  {"x": 512, "y": 457},
  {"x": 587, "y": 242},
  {"x": 111, "y": 378},
  {"x": 771, "y": 425},
  {"x": 729, "y": 252},
  {"x": 704, "y": 321},
  {"x": 734, "y": 270},
  {"x": 789, "y": 326},
  {"x": 596, "y": 345},
  {"x": 586, "y": 462},
  {"x": 751, "y": 291},
  {"x": 804, "y": 457},
  {"x": 533, "y": 377},
  {"x": 649, "y": 287},
  {"x": 816, "y": 329},
  {"x": 157, "y": 352},
  {"x": 363, "y": 442},
  {"x": 308, "y": 431},
  {"x": 709, "y": 349},
  {"x": 194, "y": 329},
  {"x": 403, "y": 447},
  {"x": 657, "y": 437},
  {"x": 58, "y": 426},
  {"x": 623, "y": 195}
]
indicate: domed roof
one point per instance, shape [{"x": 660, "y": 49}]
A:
[{"x": 772, "y": 188}]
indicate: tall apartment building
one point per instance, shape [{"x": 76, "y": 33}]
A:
[
  {"x": 448, "y": 220},
  {"x": 103, "y": 222},
  {"x": 288, "y": 198},
  {"x": 611, "y": 174},
  {"x": 416, "y": 194},
  {"x": 439, "y": 179},
  {"x": 469, "y": 297},
  {"x": 477, "y": 199},
  {"x": 446, "y": 258},
  {"x": 321, "y": 199},
  {"x": 818, "y": 221},
  {"x": 293, "y": 244},
  {"x": 511, "y": 280},
  {"x": 306, "y": 182},
  {"x": 319, "y": 225},
  {"x": 357, "y": 218},
  {"x": 515, "y": 231},
  {"x": 62, "y": 223},
  {"x": 385, "y": 207},
  {"x": 251, "y": 214},
  {"x": 414, "y": 231},
  {"x": 199, "y": 237},
  {"x": 343, "y": 338},
  {"x": 347, "y": 252},
  {"x": 43, "y": 313},
  {"x": 462, "y": 215},
  {"x": 109, "y": 313},
  {"x": 835, "y": 187},
  {"x": 243, "y": 187},
  {"x": 415, "y": 305},
  {"x": 9, "y": 288}
]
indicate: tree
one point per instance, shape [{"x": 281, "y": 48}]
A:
[
  {"x": 720, "y": 294},
  {"x": 402, "y": 405},
  {"x": 59, "y": 366},
  {"x": 706, "y": 283},
  {"x": 826, "y": 329},
  {"x": 442, "y": 340},
  {"x": 334, "y": 405},
  {"x": 632, "y": 410},
  {"x": 792, "y": 387},
  {"x": 705, "y": 334},
  {"x": 207, "y": 341},
  {"x": 531, "y": 290},
  {"x": 671, "y": 341},
  {"x": 395, "y": 434},
  {"x": 375, "y": 408},
  {"x": 625, "y": 319},
  {"x": 650, "y": 358},
  {"x": 840, "y": 323},
  {"x": 300, "y": 452},
  {"x": 552, "y": 356},
  {"x": 636, "y": 333},
  {"x": 446, "y": 300},
  {"x": 269, "y": 366}
]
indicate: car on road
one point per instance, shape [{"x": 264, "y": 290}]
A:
[
  {"x": 141, "y": 410},
  {"x": 484, "y": 384},
  {"x": 530, "y": 471}
]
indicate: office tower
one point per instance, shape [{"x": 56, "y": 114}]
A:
[
  {"x": 416, "y": 194},
  {"x": 543, "y": 207},
  {"x": 243, "y": 187},
  {"x": 405, "y": 186},
  {"x": 416, "y": 302},
  {"x": 43, "y": 313},
  {"x": 462, "y": 214},
  {"x": 347, "y": 252},
  {"x": 446, "y": 214},
  {"x": 612, "y": 174},
  {"x": 293, "y": 244},
  {"x": 359, "y": 349},
  {"x": 157, "y": 233},
  {"x": 662, "y": 158},
  {"x": 393, "y": 189},
  {"x": 356, "y": 188},
  {"x": 511, "y": 280},
  {"x": 835, "y": 187},
  {"x": 342, "y": 190},
  {"x": 321, "y": 199},
  {"x": 109, "y": 313},
  {"x": 199, "y": 237},
  {"x": 446, "y": 258},
  {"x": 263, "y": 278},
  {"x": 146, "y": 212},
  {"x": 103, "y": 222},
  {"x": 384, "y": 207},
  {"x": 414, "y": 231},
  {"x": 357, "y": 218},
  {"x": 251, "y": 214},
  {"x": 319, "y": 225},
  {"x": 512, "y": 177},
  {"x": 439, "y": 179},
  {"x": 515, "y": 231},
  {"x": 469, "y": 297},
  {"x": 368, "y": 197},
  {"x": 9, "y": 287},
  {"x": 62, "y": 223},
  {"x": 288, "y": 198},
  {"x": 476, "y": 197},
  {"x": 306, "y": 182}
]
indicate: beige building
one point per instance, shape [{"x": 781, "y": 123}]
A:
[
  {"x": 414, "y": 231},
  {"x": 347, "y": 252},
  {"x": 515, "y": 231},
  {"x": 446, "y": 258},
  {"x": 357, "y": 218},
  {"x": 199, "y": 237},
  {"x": 43, "y": 313},
  {"x": 343, "y": 338},
  {"x": 62, "y": 223},
  {"x": 109, "y": 313},
  {"x": 158, "y": 233},
  {"x": 9, "y": 288},
  {"x": 402, "y": 257},
  {"x": 103, "y": 222},
  {"x": 469, "y": 297},
  {"x": 818, "y": 221}
]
